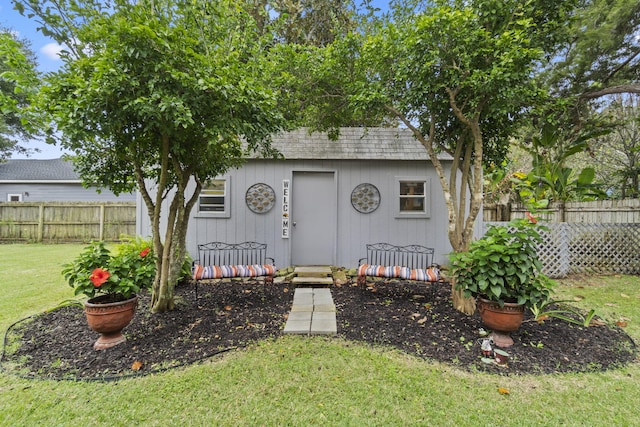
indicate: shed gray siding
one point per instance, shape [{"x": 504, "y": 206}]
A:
[
  {"x": 354, "y": 229},
  {"x": 378, "y": 158}
]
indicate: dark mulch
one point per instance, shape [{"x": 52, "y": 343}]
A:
[{"x": 417, "y": 319}]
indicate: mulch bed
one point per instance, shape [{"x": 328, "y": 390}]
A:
[{"x": 418, "y": 319}]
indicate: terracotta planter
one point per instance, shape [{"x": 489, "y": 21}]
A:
[
  {"x": 109, "y": 318},
  {"x": 501, "y": 320}
]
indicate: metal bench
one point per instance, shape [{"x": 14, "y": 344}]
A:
[
  {"x": 411, "y": 262},
  {"x": 218, "y": 260}
]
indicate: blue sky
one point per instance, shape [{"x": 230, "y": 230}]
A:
[
  {"x": 46, "y": 51},
  {"x": 45, "y": 48}
]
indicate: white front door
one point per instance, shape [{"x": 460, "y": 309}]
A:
[{"x": 313, "y": 218}]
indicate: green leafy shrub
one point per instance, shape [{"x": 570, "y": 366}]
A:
[{"x": 503, "y": 265}]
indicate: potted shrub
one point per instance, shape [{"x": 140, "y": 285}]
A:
[
  {"x": 111, "y": 283},
  {"x": 503, "y": 272}
]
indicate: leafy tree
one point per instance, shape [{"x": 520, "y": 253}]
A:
[
  {"x": 600, "y": 58},
  {"x": 19, "y": 80},
  {"x": 551, "y": 179},
  {"x": 160, "y": 96},
  {"x": 304, "y": 22},
  {"x": 616, "y": 155},
  {"x": 603, "y": 56},
  {"x": 304, "y": 35},
  {"x": 458, "y": 74},
  {"x": 313, "y": 22}
]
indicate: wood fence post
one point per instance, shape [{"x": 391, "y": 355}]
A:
[
  {"x": 40, "y": 236},
  {"x": 563, "y": 211},
  {"x": 503, "y": 212},
  {"x": 101, "y": 232}
]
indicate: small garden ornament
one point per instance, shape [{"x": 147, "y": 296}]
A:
[{"x": 111, "y": 283}]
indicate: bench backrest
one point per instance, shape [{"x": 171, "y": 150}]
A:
[
  {"x": 412, "y": 256},
  {"x": 220, "y": 253}
]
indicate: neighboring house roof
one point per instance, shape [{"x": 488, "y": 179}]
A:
[
  {"x": 35, "y": 170},
  {"x": 353, "y": 144}
]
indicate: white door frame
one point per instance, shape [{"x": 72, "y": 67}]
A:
[{"x": 321, "y": 233}]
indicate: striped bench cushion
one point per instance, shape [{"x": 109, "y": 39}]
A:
[
  {"x": 221, "y": 271},
  {"x": 431, "y": 274}
]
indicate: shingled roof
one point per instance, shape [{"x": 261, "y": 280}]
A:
[
  {"x": 354, "y": 143},
  {"x": 21, "y": 170}
]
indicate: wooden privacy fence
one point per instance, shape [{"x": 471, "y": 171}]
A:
[
  {"x": 588, "y": 248},
  {"x": 626, "y": 211},
  {"x": 66, "y": 221}
]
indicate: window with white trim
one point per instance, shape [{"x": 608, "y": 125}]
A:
[
  {"x": 14, "y": 197},
  {"x": 413, "y": 196},
  {"x": 214, "y": 198}
]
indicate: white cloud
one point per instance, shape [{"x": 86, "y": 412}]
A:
[{"x": 52, "y": 50}]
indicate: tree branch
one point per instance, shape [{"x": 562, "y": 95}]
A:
[
  {"x": 628, "y": 88},
  {"x": 621, "y": 66}
]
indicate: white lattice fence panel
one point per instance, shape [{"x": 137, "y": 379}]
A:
[
  {"x": 555, "y": 251},
  {"x": 589, "y": 248},
  {"x": 608, "y": 248}
]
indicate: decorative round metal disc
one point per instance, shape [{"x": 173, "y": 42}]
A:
[
  {"x": 365, "y": 198},
  {"x": 260, "y": 198}
]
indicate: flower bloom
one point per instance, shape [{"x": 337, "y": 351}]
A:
[
  {"x": 144, "y": 252},
  {"x": 99, "y": 276},
  {"x": 532, "y": 219}
]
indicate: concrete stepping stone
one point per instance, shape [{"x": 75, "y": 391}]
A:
[
  {"x": 312, "y": 313},
  {"x": 323, "y": 323}
]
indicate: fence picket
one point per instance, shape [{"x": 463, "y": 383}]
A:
[{"x": 66, "y": 221}]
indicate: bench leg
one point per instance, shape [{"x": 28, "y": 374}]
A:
[
  {"x": 268, "y": 280},
  {"x": 362, "y": 281}
]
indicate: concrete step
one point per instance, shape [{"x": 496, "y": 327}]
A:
[
  {"x": 316, "y": 282},
  {"x": 313, "y": 271}
]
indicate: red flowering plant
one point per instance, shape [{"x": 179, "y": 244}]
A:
[{"x": 119, "y": 275}]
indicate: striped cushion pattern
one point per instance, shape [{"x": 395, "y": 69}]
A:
[
  {"x": 432, "y": 274},
  {"x": 371, "y": 270},
  {"x": 221, "y": 271}
]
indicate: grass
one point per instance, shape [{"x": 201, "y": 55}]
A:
[
  {"x": 614, "y": 298},
  {"x": 30, "y": 279},
  {"x": 313, "y": 381}
]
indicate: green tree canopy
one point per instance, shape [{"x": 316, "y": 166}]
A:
[
  {"x": 602, "y": 56},
  {"x": 19, "y": 81},
  {"x": 459, "y": 75},
  {"x": 160, "y": 96}
]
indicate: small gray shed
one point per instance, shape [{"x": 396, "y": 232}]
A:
[{"x": 327, "y": 199}]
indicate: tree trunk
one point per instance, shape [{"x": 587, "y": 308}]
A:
[
  {"x": 172, "y": 252},
  {"x": 461, "y": 303},
  {"x": 460, "y": 230}
]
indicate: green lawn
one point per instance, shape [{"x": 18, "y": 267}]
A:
[{"x": 313, "y": 381}]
